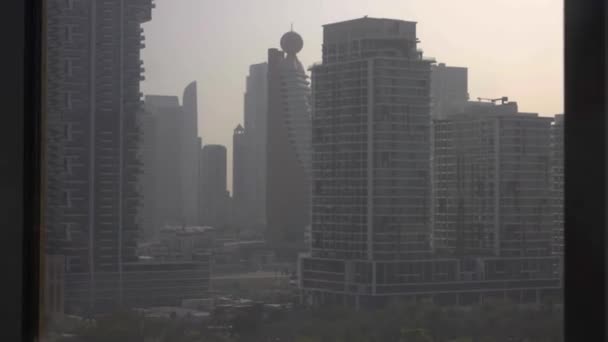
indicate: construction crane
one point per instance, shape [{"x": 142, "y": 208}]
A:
[{"x": 502, "y": 100}]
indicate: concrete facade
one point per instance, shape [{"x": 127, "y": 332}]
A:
[
  {"x": 215, "y": 199},
  {"x": 371, "y": 158},
  {"x": 492, "y": 185}
]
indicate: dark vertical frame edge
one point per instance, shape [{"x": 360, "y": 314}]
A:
[
  {"x": 585, "y": 170},
  {"x": 19, "y": 132},
  {"x": 32, "y": 169}
]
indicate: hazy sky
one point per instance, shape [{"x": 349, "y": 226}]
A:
[{"x": 512, "y": 47}]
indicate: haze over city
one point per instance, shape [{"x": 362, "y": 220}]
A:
[
  {"x": 512, "y": 48},
  {"x": 287, "y": 171}
]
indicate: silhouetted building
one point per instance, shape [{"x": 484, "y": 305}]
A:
[
  {"x": 371, "y": 159},
  {"x": 199, "y": 170},
  {"x": 189, "y": 151},
  {"x": 241, "y": 177},
  {"x": 215, "y": 199},
  {"x": 492, "y": 183},
  {"x": 255, "y": 118},
  {"x": 449, "y": 90},
  {"x": 170, "y": 148},
  {"x": 557, "y": 183},
  {"x": 249, "y": 159},
  {"x": 288, "y": 148},
  {"x": 93, "y": 97},
  {"x": 163, "y": 195}
]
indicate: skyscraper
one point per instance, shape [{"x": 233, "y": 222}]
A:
[
  {"x": 164, "y": 196},
  {"x": 371, "y": 160},
  {"x": 255, "y": 124},
  {"x": 93, "y": 98},
  {"x": 215, "y": 200},
  {"x": 288, "y": 148},
  {"x": 199, "y": 170},
  {"x": 241, "y": 179},
  {"x": 170, "y": 148},
  {"x": 249, "y": 183},
  {"x": 492, "y": 185},
  {"x": 189, "y": 151}
]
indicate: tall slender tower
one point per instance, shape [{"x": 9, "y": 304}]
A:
[
  {"x": 163, "y": 162},
  {"x": 371, "y": 162},
  {"x": 241, "y": 177},
  {"x": 170, "y": 146},
  {"x": 249, "y": 154},
  {"x": 288, "y": 148},
  {"x": 189, "y": 151},
  {"x": 256, "y": 124},
  {"x": 215, "y": 201}
]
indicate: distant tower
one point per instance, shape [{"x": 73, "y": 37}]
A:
[
  {"x": 171, "y": 149},
  {"x": 163, "y": 164},
  {"x": 189, "y": 152},
  {"x": 241, "y": 190},
  {"x": 215, "y": 199},
  {"x": 288, "y": 144},
  {"x": 249, "y": 154},
  {"x": 297, "y": 98}
]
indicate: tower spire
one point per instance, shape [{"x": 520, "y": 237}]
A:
[{"x": 292, "y": 26}]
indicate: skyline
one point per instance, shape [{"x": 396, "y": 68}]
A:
[
  {"x": 367, "y": 202},
  {"x": 215, "y": 51}
]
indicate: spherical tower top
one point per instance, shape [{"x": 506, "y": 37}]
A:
[{"x": 292, "y": 43}]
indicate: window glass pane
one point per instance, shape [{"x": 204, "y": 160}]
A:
[{"x": 288, "y": 171}]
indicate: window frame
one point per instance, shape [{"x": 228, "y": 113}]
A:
[
  {"x": 20, "y": 135},
  {"x": 585, "y": 169}
]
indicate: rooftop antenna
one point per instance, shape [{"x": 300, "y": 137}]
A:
[{"x": 292, "y": 27}]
